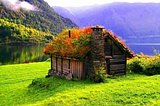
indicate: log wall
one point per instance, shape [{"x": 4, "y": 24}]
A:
[{"x": 117, "y": 65}]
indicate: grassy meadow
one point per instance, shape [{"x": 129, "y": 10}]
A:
[{"x": 25, "y": 85}]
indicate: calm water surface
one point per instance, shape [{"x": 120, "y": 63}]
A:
[
  {"x": 21, "y": 54},
  {"x": 25, "y": 54},
  {"x": 145, "y": 49}
]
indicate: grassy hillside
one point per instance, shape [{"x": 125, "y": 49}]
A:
[{"x": 16, "y": 89}]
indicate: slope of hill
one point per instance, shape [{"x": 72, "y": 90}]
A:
[
  {"x": 128, "y": 20},
  {"x": 46, "y": 19}
]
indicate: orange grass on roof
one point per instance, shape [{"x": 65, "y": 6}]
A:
[{"x": 74, "y": 46}]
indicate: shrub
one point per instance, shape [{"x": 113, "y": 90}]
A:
[
  {"x": 100, "y": 75},
  {"x": 153, "y": 67},
  {"x": 136, "y": 66},
  {"x": 149, "y": 65}
]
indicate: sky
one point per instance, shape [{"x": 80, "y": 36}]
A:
[{"x": 78, "y": 3}]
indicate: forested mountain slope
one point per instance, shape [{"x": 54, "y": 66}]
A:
[
  {"x": 18, "y": 33},
  {"x": 44, "y": 19}
]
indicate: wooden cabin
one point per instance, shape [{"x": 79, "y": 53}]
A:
[{"x": 105, "y": 50}]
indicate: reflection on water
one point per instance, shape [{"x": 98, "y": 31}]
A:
[{"x": 21, "y": 54}]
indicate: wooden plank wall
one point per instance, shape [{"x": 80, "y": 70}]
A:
[
  {"x": 108, "y": 47},
  {"x": 67, "y": 66},
  {"x": 59, "y": 65},
  {"x": 54, "y": 63},
  {"x": 66, "y": 69},
  {"x": 118, "y": 65},
  {"x": 76, "y": 68}
]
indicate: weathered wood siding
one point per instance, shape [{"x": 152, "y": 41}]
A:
[
  {"x": 117, "y": 50},
  {"x": 54, "y": 63},
  {"x": 66, "y": 66},
  {"x": 108, "y": 47},
  {"x": 76, "y": 69},
  {"x": 59, "y": 65},
  {"x": 118, "y": 65}
]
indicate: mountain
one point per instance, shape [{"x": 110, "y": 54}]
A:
[
  {"x": 44, "y": 19},
  {"x": 65, "y": 13},
  {"x": 131, "y": 21}
]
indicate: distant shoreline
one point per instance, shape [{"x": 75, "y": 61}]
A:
[
  {"x": 144, "y": 44},
  {"x": 24, "y": 44}
]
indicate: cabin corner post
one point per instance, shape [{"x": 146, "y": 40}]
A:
[
  {"x": 51, "y": 71},
  {"x": 51, "y": 56},
  {"x": 56, "y": 64},
  {"x": 61, "y": 65},
  {"x": 125, "y": 64}
]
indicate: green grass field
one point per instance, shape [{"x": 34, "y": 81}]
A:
[{"x": 129, "y": 90}]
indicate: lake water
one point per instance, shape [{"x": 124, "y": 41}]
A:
[
  {"x": 21, "y": 54},
  {"x": 145, "y": 44},
  {"x": 147, "y": 49},
  {"x": 25, "y": 54}
]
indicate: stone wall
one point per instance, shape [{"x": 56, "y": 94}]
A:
[
  {"x": 96, "y": 57},
  {"x": 97, "y": 46}
]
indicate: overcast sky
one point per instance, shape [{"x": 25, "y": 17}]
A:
[{"x": 76, "y": 3}]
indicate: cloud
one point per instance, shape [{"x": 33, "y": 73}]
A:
[{"x": 16, "y": 5}]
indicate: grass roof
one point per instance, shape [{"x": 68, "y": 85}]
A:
[
  {"x": 78, "y": 44},
  {"x": 74, "y": 46}
]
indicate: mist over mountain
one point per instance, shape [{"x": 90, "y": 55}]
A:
[
  {"x": 135, "y": 22},
  {"x": 42, "y": 18}
]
